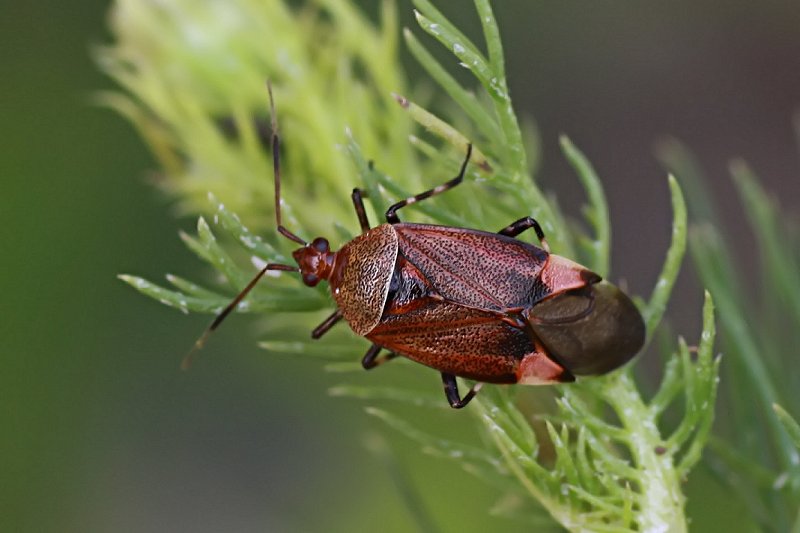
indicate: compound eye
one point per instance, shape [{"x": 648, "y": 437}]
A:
[{"x": 321, "y": 245}]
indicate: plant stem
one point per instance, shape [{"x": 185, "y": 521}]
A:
[{"x": 661, "y": 503}]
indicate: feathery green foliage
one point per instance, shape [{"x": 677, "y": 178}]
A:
[
  {"x": 193, "y": 76},
  {"x": 756, "y": 456}
]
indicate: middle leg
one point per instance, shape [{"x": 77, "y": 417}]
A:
[
  {"x": 525, "y": 223},
  {"x": 391, "y": 213},
  {"x": 358, "y": 202}
]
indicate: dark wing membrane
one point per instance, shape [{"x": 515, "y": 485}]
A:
[
  {"x": 454, "y": 339},
  {"x": 475, "y": 268}
]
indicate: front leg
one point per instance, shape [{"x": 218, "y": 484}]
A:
[
  {"x": 358, "y": 203},
  {"x": 327, "y": 324},
  {"x": 371, "y": 359},
  {"x": 525, "y": 223}
]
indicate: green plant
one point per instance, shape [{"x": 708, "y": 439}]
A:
[
  {"x": 605, "y": 460},
  {"x": 756, "y": 455}
]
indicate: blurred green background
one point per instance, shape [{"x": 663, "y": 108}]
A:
[{"x": 101, "y": 432}]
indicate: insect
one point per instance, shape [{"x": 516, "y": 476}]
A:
[{"x": 468, "y": 303}]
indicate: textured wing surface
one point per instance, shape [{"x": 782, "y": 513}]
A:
[
  {"x": 362, "y": 275},
  {"x": 475, "y": 268},
  {"x": 458, "y": 340}
]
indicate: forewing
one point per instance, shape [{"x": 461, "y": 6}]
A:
[
  {"x": 361, "y": 278},
  {"x": 454, "y": 339},
  {"x": 475, "y": 268}
]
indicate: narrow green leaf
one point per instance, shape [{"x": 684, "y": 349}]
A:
[
  {"x": 498, "y": 90},
  {"x": 716, "y": 263},
  {"x": 614, "y": 468},
  {"x": 524, "y": 431},
  {"x": 514, "y": 507},
  {"x": 484, "y": 123},
  {"x": 742, "y": 343},
  {"x": 344, "y": 367},
  {"x": 491, "y": 34},
  {"x": 598, "y": 208},
  {"x": 589, "y": 477},
  {"x": 253, "y": 243},
  {"x": 679, "y": 161},
  {"x": 532, "y": 476},
  {"x": 700, "y": 403},
  {"x": 611, "y": 508},
  {"x": 581, "y": 415},
  {"x": 692, "y": 413},
  {"x": 401, "y": 476},
  {"x": 218, "y": 258},
  {"x": 672, "y": 264},
  {"x": 740, "y": 465},
  {"x": 442, "y": 129},
  {"x": 627, "y": 509},
  {"x": 436, "y": 17},
  {"x": 780, "y": 264},
  {"x": 496, "y": 423},
  {"x": 325, "y": 351},
  {"x": 408, "y": 396},
  {"x": 494, "y": 84},
  {"x": 437, "y": 446},
  {"x": 192, "y": 289},
  {"x": 565, "y": 467},
  {"x": 789, "y": 424},
  {"x": 670, "y": 388},
  {"x": 506, "y": 416},
  {"x": 175, "y": 299},
  {"x": 464, "y": 50},
  {"x": 436, "y": 24}
]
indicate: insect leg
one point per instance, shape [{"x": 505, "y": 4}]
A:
[
  {"x": 391, "y": 213},
  {"x": 515, "y": 228},
  {"x": 327, "y": 324},
  {"x": 358, "y": 202},
  {"x": 371, "y": 359},
  {"x": 451, "y": 391}
]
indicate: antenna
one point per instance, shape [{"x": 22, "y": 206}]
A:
[{"x": 276, "y": 166}]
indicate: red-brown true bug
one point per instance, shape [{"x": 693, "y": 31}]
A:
[{"x": 468, "y": 303}]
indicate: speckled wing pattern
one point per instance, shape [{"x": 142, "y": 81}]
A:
[
  {"x": 475, "y": 268},
  {"x": 457, "y": 340},
  {"x": 448, "y": 298},
  {"x": 365, "y": 268}
]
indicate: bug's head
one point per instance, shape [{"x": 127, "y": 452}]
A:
[{"x": 315, "y": 260}]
